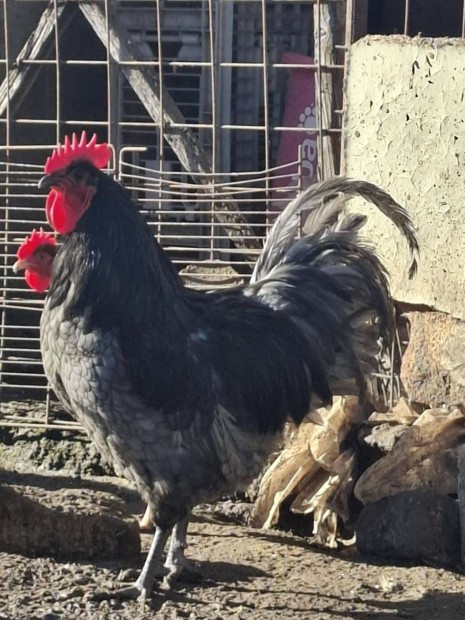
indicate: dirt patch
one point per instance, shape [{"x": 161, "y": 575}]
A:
[
  {"x": 247, "y": 573},
  {"x": 24, "y": 449}
]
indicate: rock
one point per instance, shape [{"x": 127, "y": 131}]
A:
[
  {"x": 401, "y": 413},
  {"x": 417, "y": 525},
  {"x": 423, "y": 457},
  {"x": 433, "y": 366},
  {"x": 67, "y": 531},
  {"x": 384, "y": 436}
]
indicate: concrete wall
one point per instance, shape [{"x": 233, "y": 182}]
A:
[{"x": 405, "y": 131}]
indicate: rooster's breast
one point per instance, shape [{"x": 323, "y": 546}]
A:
[{"x": 171, "y": 466}]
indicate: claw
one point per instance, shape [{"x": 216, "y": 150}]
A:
[
  {"x": 186, "y": 571},
  {"x": 129, "y": 593}
]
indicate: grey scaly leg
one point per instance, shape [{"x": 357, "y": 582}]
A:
[
  {"x": 176, "y": 561},
  {"x": 143, "y": 587}
]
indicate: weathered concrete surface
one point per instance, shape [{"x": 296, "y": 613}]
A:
[
  {"x": 433, "y": 365},
  {"x": 405, "y": 131},
  {"x": 418, "y": 525}
]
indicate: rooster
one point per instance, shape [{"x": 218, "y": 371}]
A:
[{"x": 186, "y": 393}]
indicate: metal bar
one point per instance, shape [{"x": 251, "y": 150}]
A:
[
  {"x": 406, "y": 16},
  {"x": 182, "y": 214},
  {"x": 213, "y": 123},
  {"x": 463, "y": 20},
  {"x": 57, "y": 72},
  {"x": 184, "y": 144},
  {"x": 161, "y": 126},
  {"x": 281, "y": 65},
  {"x": 19, "y": 76},
  {"x": 266, "y": 111},
  {"x": 107, "y": 62},
  {"x": 5, "y": 248}
]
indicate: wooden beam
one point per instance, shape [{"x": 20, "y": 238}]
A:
[
  {"x": 21, "y": 77},
  {"x": 146, "y": 84},
  {"x": 324, "y": 56}
]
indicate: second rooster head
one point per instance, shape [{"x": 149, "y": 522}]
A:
[{"x": 35, "y": 256}]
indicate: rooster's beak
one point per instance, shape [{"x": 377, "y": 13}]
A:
[
  {"x": 48, "y": 181},
  {"x": 21, "y": 265}
]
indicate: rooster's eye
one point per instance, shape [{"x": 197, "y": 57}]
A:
[{"x": 77, "y": 175}]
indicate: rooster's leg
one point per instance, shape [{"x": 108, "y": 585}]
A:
[
  {"x": 146, "y": 524},
  {"x": 143, "y": 586},
  {"x": 176, "y": 561},
  {"x": 153, "y": 562}
]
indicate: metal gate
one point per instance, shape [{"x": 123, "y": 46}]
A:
[{"x": 200, "y": 101}]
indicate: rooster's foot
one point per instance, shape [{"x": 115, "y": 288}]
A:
[
  {"x": 177, "y": 565},
  {"x": 181, "y": 570},
  {"x": 129, "y": 593}
]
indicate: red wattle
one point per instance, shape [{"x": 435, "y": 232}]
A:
[
  {"x": 57, "y": 215},
  {"x": 37, "y": 282}
]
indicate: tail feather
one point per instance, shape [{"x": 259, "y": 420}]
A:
[
  {"x": 331, "y": 283},
  {"x": 321, "y": 203}
]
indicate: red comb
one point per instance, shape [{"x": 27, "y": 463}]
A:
[
  {"x": 62, "y": 156},
  {"x": 33, "y": 241}
]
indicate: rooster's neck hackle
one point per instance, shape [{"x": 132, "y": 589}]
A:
[{"x": 119, "y": 270}]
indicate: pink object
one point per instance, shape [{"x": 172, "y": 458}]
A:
[{"x": 299, "y": 111}]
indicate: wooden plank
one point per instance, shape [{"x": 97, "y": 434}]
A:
[
  {"x": 21, "y": 76},
  {"x": 146, "y": 84},
  {"x": 324, "y": 56}
]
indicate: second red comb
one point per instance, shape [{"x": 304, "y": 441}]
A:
[{"x": 34, "y": 241}]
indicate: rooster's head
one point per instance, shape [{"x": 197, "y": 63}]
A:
[
  {"x": 35, "y": 256},
  {"x": 72, "y": 173}
]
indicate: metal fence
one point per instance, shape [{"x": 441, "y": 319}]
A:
[
  {"x": 200, "y": 101},
  {"x": 194, "y": 98}
]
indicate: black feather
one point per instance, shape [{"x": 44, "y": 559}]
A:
[
  {"x": 185, "y": 351},
  {"x": 259, "y": 351},
  {"x": 185, "y": 391}
]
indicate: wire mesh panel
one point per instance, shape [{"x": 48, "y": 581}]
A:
[
  {"x": 427, "y": 18},
  {"x": 218, "y": 111}
]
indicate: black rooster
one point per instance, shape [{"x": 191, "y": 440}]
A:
[{"x": 186, "y": 393}]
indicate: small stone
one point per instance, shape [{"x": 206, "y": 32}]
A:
[
  {"x": 81, "y": 580},
  {"x": 72, "y": 593},
  {"x": 415, "y": 525},
  {"x": 128, "y": 575},
  {"x": 384, "y": 436}
]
